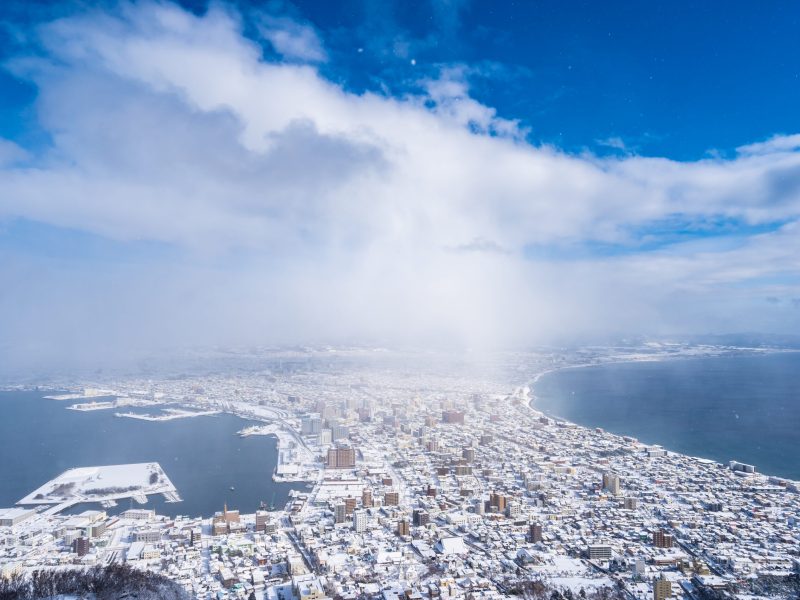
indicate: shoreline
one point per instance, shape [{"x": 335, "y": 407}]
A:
[{"x": 662, "y": 358}]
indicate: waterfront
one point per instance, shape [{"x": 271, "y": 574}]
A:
[
  {"x": 203, "y": 456},
  {"x": 745, "y": 408}
]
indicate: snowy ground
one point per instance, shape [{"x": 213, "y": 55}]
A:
[{"x": 96, "y": 484}]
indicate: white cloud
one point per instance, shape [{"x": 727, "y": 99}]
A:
[
  {"x": 778, "y": 143},
  {"x": 11, "y": 153},
  {"x": 335, "y": 214},
  {"x": 292, "y": 40}
]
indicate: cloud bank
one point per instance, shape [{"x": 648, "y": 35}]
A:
[{"x": 219, "y": 193}]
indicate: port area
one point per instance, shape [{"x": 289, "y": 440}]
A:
[
  {"x": 168, "y": 414},
  {"x": 118, "y": 403},
  {"x": 84, "y": 394},
  {"x": 104, "y": 485},
  {"x": 295, "y": 461}
]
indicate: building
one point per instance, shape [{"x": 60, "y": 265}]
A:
[
  {"x": 497, "y": 501},
  {"x": 599, "y": 552},
  {"x": 611, "y": 483},
  {"x": 535, "y": 532},
  {"x": 402, "y": 527},
  {"x": 339, "y": 432},
  {"x": 307, "y": 587},
  {"x": 741, "y": 467},
  {"x": 14, "y": 516},
  {"x": 262, "y": 520},
  {"x": 149, "y": 536},
  {"x": 662, "y": 588},
  {"x": 196, "y": 537},
  {"x": 310, "y": 425},
  {"x": 340, "y": 513},
  {"x": 223, "y": 522},
  {"x": 513, "y": 510},
  {"x": 391, "y": 499},
  {"x": 81, "y": 546},
  {"x": 453, "y": 417},
  {"x": 662, "y": 539},
  {"x": 139, "y": 514},
  {"x": 468, "y": 454},
  {"x": 420, "y": 517},
  {"x": 360, "y": 520},
  {"x": 630, "y": 503},
  {"x": 349, "y": 505},
  {"x": 366, "y": 498},
  {"x": 325, "y": 437},
  {"x": 341, "y": 458},
  {"x": 97, "y": 529}
]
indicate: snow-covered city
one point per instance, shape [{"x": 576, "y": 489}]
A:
[{"x": 417, "y": 482}]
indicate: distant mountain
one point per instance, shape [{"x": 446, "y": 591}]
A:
[{"x": 749, "y": 340}]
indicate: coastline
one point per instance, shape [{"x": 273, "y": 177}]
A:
[{"x": 655, "y": 359}]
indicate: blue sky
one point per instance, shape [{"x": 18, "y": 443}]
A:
[
  {"x": 488, "y": 173},
  {"x": 675, "y": 79}
]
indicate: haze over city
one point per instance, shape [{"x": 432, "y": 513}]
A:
[{"x": 412, "y": 173}]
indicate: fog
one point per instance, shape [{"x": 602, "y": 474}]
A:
[{"x": 186, "y": 190}]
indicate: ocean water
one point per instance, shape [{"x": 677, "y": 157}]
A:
[
  {"x": 202, "y": 456},
  {"x": 744, "y": 408}
]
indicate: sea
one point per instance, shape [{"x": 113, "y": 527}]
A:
[
  {"x": 743, "y": 407},
  {"x": 202, "y": 456}
]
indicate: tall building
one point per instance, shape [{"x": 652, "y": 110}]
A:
[
  {"x": 611, "y": 483},
  {"x": 340, "y": 513},
  {"x": 454, "y": 417},
  {"x": 196, "y": 537},
  {"x": 341, "y": 458},
  {"x": 349, "y": 505},
  {"x": 360, "y": 520},
  {"x": 80, "y": 546},
  {"x": 662, "y": 588},
  {"x": 630, "y": 503},
  {"x": 310, "y": 425},
  {"x": 468, "y": 454},
  {"x": 662, "y": 539},
  {"x": 339, "y": 432},
  {"x": 535, "y": 532},
  {"x": 497, "y": 501},
  {"x": 402, "y": 527},
  {"x": 262, "y": 519},
  {"x": 391, "y": 499},
  {"x": 366, "y": 498},
  {"x": 420, "y": 517}
]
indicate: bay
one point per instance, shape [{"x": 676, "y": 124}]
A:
[
  {"x": 744, "y": 407},
  {"x": 202, "y": 456}
]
